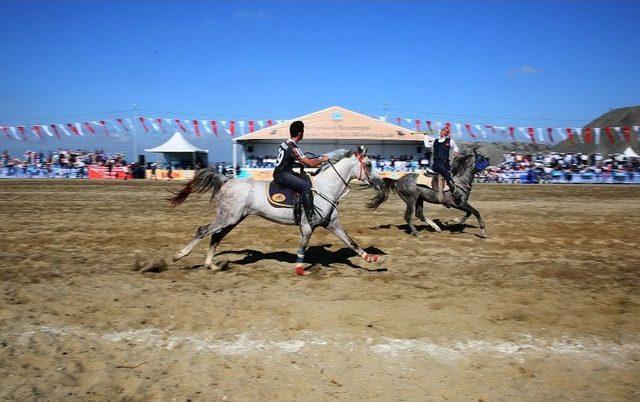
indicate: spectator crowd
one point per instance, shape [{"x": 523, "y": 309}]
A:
[{"x": 61, "y": 163}]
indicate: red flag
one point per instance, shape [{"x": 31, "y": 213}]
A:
[
  {"x": 627, "y": 133},
  {"x": 196, "y": 127},
  {"x": 399, "y": 121},
  {"x": 232, "y": 127},
  {"x": 429, "y": 124},
  {"x": 6, "y": 132},
  {"x": 144, "y": 125},
  {"x": 122, "y": 124},
  {"x": 55, "y": 130},
  {"x": 512, "y": 131},
  {"x": 587, "y": 135},
  {"x": 251, "y": 126},
  {"x": 88, "y": 126},
  {"x": 550, "y": 133},
  {"x": 73, "y": 128},
  {"x": 607, "y": 131},
  {"x": 159, "y": 121},
  {"x": 24, "y": 134},
  {"x": 214, "y": 127},
  {"x": 418, "y": 124},
  {"x": 36, "y": 129},
  {"x": 570, "y": 135},
  {"x": 531, "y": 134},
  {"x": 104, "y": 127},
  {"x": 468, "y": 126},
  {"x": 180, "y": 125}
]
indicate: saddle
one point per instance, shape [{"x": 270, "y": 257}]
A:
[
  {"x": 431, "y": 182},
  {"x": 284, "y": 197}
]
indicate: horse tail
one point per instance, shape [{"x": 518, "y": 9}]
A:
[
  {"x": 383, "y": 194},
  {"x": 203, "y": 181}
]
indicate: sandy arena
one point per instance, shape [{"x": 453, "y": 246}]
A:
[{"x": 546, "y": 308}]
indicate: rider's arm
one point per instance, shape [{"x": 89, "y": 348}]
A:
[
  {"x": 313, "y": 162},
  {"x": 454, "y": 148}
]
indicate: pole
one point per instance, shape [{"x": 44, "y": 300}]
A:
[
  {"x": 233, "y": 142},
  {"x": 135, "y": 136}
]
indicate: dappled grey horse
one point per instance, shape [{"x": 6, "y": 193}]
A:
[
  {"x": 238, "y": 199},
  {"x": 414, "y": 194}
]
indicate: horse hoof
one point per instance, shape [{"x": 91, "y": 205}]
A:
[
  {"x": 437, "y": 229},
  {"x": 483, "y": 234},
  {"x": 416, "y": 234},
  {"x": 212, "y": 267},
  {"x": 177, "y": 256}
]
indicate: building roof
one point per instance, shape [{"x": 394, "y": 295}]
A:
[
  {"x": 337, "y": 123},
  {"x": 177, "y": 143}
]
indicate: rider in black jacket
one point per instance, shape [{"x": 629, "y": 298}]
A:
[
  {"x": 441, "y": 149},
  {"x": 290, "y": 156}
]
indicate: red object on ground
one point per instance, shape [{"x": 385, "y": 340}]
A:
[{"x": 102, "y": 172}]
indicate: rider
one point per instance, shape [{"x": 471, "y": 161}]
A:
[
  {"x": 290, "y": 156},
  {"x": 441, "y": 148}
]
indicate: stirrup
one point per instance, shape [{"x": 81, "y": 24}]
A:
[{"x": 429, "y": 172}]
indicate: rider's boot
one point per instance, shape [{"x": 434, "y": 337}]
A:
[{"x": 307, "y": 204}]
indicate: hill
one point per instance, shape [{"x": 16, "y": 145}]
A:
[
  {"x": 495, "y": 150},
  {"x": 625, "y": 116}
]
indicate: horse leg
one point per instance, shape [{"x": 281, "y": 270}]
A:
[
  {"x": 469, "y": 209},
  {"x": 225, "y": 219},
  {"x": 305, "y": 236},
  {"x": 462, "y": 220},
  {"x": 409, "y": 214},
  {"x": 216, "y": 238},
  {"x": 336, "y": 228},
  {"x": 420, "y": 215}
]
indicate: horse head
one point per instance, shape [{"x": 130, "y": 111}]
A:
[
  {"x": 481, "y": 162},
  {"x": 365, "y": 171}
]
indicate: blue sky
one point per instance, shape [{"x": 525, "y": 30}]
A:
[{"x": 539, "y": 63}]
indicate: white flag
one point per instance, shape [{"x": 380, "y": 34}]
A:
[
  {"x": 15, "y": 133},
  {"x": 578, "y": 132},
  {"x": 223, "y": 123},
  {"x": 408, "y": 120},
  {"x": 46, "y": 130},
  {"x": 205, "y": 124},
  {"x": 619, "y": 131},
  {"x": 78, "y": 128},
  {"x": 438, "y": 125},
  {"x": 540, "y": 135},
  {"x": 130, "y": 123},
  {"x": 382, "y": 118},
  {"x": 596, "y": 135},
  {"x": 458, "y": 131},
  {"x": 280, "y": 121},
  {"x": 481, "y": 130},
  {"x": 64, "y": 130},
  {"x": 155, "y": 125},
  {"x": 115, "y": 125},
  {"x": 523, "y": 132},
  {"x": 186, "y": 125},
  {"x": 241, "y": 125},
  {"x": 561, "y": 132},
  {"x": 261, "y": 124}
]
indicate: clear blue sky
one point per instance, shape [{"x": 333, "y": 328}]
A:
[{"x": 566, "y": 61}]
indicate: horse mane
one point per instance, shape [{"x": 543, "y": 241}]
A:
[
  {"x": 335, "y": 157},
  {"x": 459, "y": 163}
]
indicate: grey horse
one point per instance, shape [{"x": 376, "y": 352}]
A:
[
  {"x": 237, "y": 199},
  {"x": 414, "y": 194}
]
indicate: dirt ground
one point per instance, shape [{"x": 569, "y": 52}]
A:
[{"x": 546, "y": 308}]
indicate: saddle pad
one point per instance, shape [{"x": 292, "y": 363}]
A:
[
  {"x": 281, "y": 197},
  {"x": 427, "y": 181}
]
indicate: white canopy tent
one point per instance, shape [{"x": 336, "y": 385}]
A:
[
  {"x": 178, "y": 150},
  {"x": 629, "y": 153}
]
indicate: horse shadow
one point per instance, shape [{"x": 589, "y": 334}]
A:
[
  {"x": 454, "y": 228},
  {"x": 314, "y": 256}
]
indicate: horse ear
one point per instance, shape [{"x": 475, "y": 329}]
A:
[
  {"x": 362, "y": 150},
  {"x": 475, "y": 151}
]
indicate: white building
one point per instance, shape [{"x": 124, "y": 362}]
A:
[{"x": 330, "y": 129}]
